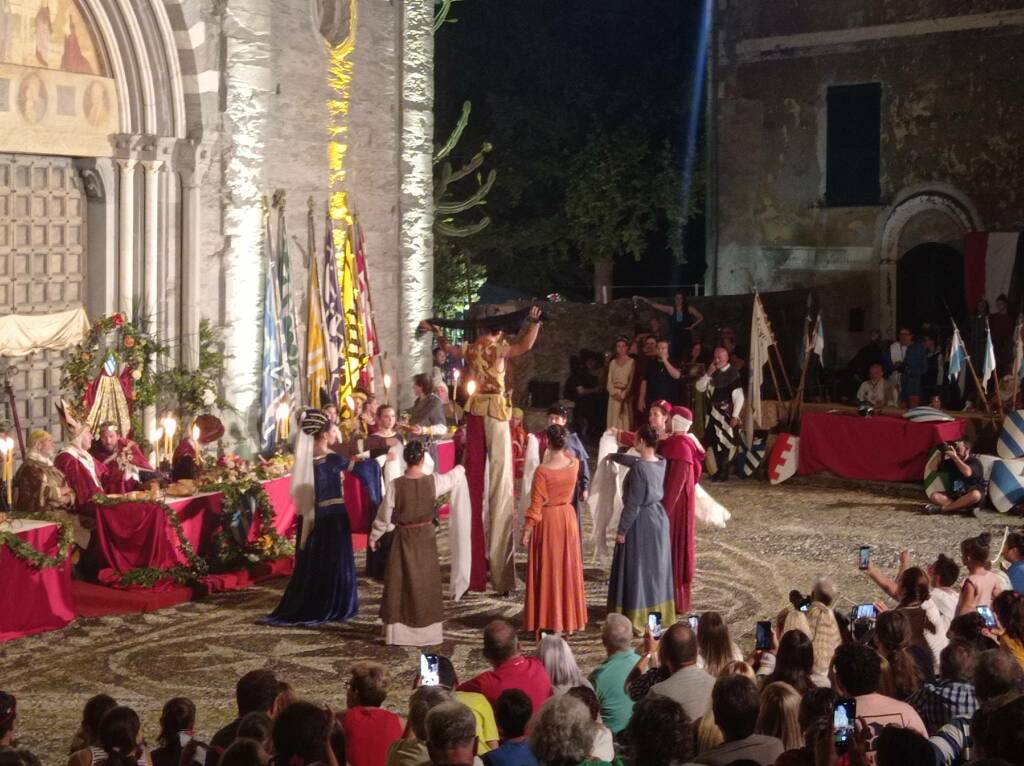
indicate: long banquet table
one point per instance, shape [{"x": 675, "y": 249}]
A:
[{"x": 33, "y": 600}]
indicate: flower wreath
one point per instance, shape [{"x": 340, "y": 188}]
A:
[{"x": 128, "y": 344}]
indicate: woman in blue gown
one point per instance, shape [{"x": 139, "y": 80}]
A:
[{"x": 323, "y": 587}]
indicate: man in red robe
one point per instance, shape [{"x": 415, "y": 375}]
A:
[
  {"x": 685, "y": 457},
  {"x": 187, "y": 462},
  {"x": 122, "y": 460},
  {"x": 83, "y": 472}
]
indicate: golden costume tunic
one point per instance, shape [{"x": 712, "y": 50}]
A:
[
  {"x": 41, "y": 488},
  {"x": 487, "y": 368}
]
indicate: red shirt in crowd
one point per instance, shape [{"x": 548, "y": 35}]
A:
[
  {"x": 369, "y": 732},
  {"x": 526, "y": 673}
]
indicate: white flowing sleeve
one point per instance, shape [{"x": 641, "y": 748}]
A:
[
  {"x": 460, "y": 513},
  {"x": 382, "y": 522},
  {"x": 530, "y": 462},
  {"x": 604, "y": 501}
]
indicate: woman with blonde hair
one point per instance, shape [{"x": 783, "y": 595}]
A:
[
  {"x": 715, "y": 648},
  {"x": 708, "y": 735},
  {"x": 780, "y": 715}
]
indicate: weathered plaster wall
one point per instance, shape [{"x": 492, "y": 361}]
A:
[{"x": 952, "y": 111}]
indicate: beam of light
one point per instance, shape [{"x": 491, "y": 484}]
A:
[{"x": 700, "y": 62}]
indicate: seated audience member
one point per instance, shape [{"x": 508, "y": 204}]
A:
[
  {"x": 858, "y": 674},
  {"x": 245, "y": 752},
  {"x": 952, "y": 695},
  {"x": 943, "y": 574},
  {"x": 929, "y": 622},
  {"x": 256, "y": 691},
  {"x": 121, "y": 737},
  {"x": 513, "y": 711},
  {"x": 286, "y": 695},
  {"x": 896, "y": 746},
  {"x": 791, "y": 662},
  {"x": 486, "y": 728},
  {"x": 85, "y": 749},
  {"x": 736, "y": 705},
  {"x": 1009, "y": 610},
  {"x": 411, "y": 749},
  {"x": 178, "y": 717},
  {"x": 369, "y": 728},
  {"x": 558, "y": 660},
  {"x": 302, "y": 734},
  {"x": 825, "y": 632},
  {"x": 659, "y": 733},
  {"x": 604, "y": 747},
  {"x": 260, "y": 727},
  {"x": 779, "y": 716},
  {"x": 968, "y": 479},
  {"x": 907, "y": 666},
  {"x": 709, "y": 736},
  {"x": 971, "y": 628},
  {"x": 715, "y": 648},
  {"x": 562, "y": 733},
  {"x": 8, "y": 716},
  {"x": 451, "y": 735},
  {"x": 684, "y": 682},
  {"x": 1005, "y": 736},
  {"x": 18, "y": 756},
  {"x": 815, "y": 710},
  {"x": 609, "y": 678},
  {"x": 982, "y": 584},
  {"x": 876, "y": 390},
  {"x": 511, "y": 670},
  {"x": 1013, "y": 551}
]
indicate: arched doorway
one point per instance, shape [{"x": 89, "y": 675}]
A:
[{"x": 930, "y": 286}]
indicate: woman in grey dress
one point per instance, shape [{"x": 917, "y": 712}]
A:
[{"x": 641, "y": 577}]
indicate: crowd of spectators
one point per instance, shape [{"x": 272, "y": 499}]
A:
[{"x": 934, "y": 681}]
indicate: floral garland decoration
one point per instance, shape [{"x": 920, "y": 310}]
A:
[
  {"x": 268, "y": 546},
  {"x": 37, "y": 559},
  {"x": 197, "y": 567},
  {"x": 131, "y": 346}
]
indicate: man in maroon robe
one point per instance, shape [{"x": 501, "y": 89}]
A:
[
  {"x": 83, "y": 472},
  {"x": 685, "y": 457},
  {"x": 122, "y": 460}
]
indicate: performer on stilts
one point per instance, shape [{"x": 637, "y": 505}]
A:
[
  {"x": 489, "y": 443},
  {"x": 723, "y": 384}
]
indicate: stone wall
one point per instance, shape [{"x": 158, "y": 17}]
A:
[{"x": 952, "y": 108}]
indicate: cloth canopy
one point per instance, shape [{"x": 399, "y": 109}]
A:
[{"x": 23, "y": 334}]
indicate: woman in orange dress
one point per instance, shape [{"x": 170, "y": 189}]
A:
[{"x": 555, "y": 595}]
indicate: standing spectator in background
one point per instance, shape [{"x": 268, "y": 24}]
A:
[
  {"x": 693, "y": 368},
  {"x": 621, "y": 373},
  {"x": 736, "y": 706},
  {"x": 585, "y": 388},
  {"x": 513, "y": 711},
  {"x": 1009, "y": 609},
  {"x": 683, "y": 320},
  {"x": 1001, "y": 324},
  {"x": 935, "y": 367},
  {"x": 661, "y": 380},
  {"x": 441, "y": 371},
  {"x": 609, "y": 678},
  {"x": 369, "y": 729},
  {"x": 1013, "y": 552},
  {"x": 952, "y": 694},
  {"x": 898, "y": 358},
  {"x": 915, "y": 365},
  {"x": 647, "y": 354}
]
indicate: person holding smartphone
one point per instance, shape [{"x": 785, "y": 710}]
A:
[{"x": 969, "y": 486}]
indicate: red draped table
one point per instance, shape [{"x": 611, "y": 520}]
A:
[
  {"x": 33, "y": 600},
  {"x": 881, "y": 447},
  {"x": 138, "y": 534}
]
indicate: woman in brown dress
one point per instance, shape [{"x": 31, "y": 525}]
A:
[
  {"x": 412, "y": 607},
  {"x": 555, "y": 595}
]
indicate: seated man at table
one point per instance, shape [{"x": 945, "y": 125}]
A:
[
  {"x": 187, "y": 462},
  {"x": 876, "y": 390},
  {"x": 38, "y": 486},
  {"x": 84, "y": 474},
  {"x": 967, "y": 478},
  {"x": 122, "y": 460}
]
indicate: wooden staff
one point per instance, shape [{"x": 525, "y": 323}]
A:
[
  {"x": 977, "y": 382},
  {"x": 14, "y": 416},
  {"x": 782, "y": 368}
]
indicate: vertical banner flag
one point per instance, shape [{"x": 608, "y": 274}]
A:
[
  {"x": 274, "y": 389},
  {"x": 761, "y": 341},
  {"x": 989, "y": 369},
  {"x": 957, "y": 355},
  {"x": 316, "y": 355},
  {"x": 286, "y": 309},
  {"x": 333, "y": 315}
]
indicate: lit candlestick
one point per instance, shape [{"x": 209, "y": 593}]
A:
[
  {"x": 471, "y": 387},
  {"x": 158, "y": 434},
  {"x": 7, "y": 456},
  {"x": 195, "y": 434},
  {"x": 387, "y": 388},
  {"x": 170, "y": 426},
  {"x": 455, "y": 385},
  {"x": 283, "y": 422}
]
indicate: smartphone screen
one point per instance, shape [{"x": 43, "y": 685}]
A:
[
  {"x": 763, "y": 637},
  {"x": 865, "y": 612},
  {"x": 694, "y": 621},
  {"x": 184, "y": 738},
  {"x": 844, "y": 717},
  {"x": 805, "y": 605},
  {"x": 430, "y": 670},
  {"x": 988, "y": 616},
  {"x": 865, "y": 556},
  {"x": 654, "y": 624}
]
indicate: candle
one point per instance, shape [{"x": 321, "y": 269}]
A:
[
  {"x": 7, "y": 456},
  {"x": 158, "y": 434},
  {"x": 471, "y": 387},
  {"x": 195, "y": 434},
  {"x": 283, "y": 423},
  {"x": 387, "y": 388}
]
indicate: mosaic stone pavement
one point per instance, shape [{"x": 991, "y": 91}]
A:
[{"x": 779, "y": 538}]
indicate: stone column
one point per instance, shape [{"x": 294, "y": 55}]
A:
[
  {"x": 416, "y": 243},
  {"x": 151, "y": 243},
  {"x": 190, "y": 280},
  {"x": 126, "y": 238}
]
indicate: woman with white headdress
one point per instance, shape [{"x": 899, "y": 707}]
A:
[{"x": 323, "y": 586}]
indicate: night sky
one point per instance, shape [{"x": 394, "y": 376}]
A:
[{"x": 543, "y": 77}]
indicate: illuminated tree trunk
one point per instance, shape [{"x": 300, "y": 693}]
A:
[{"x": 603, "y": 280}]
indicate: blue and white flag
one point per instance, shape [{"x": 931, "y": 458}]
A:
[
  {"x": 989, "y": 368},
  {"x": 334, "y": 314},
  {"x": 274, "y": 387},
  {"x": 1018, "y": 347},
  {"x": 818, "y": 339},
  {"x": 1006, "y": 486},
  {"x": 957, "y": 355},
  {"x": 1010, "y": 443},
  {"x": 750, "y": 457}
]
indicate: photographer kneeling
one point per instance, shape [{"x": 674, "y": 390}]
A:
[{"x": 967, "y": 477}]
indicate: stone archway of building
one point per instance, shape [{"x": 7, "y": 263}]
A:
[
  {"x": 930, "y": 286},
  {"x": 935, "y": 215}
]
